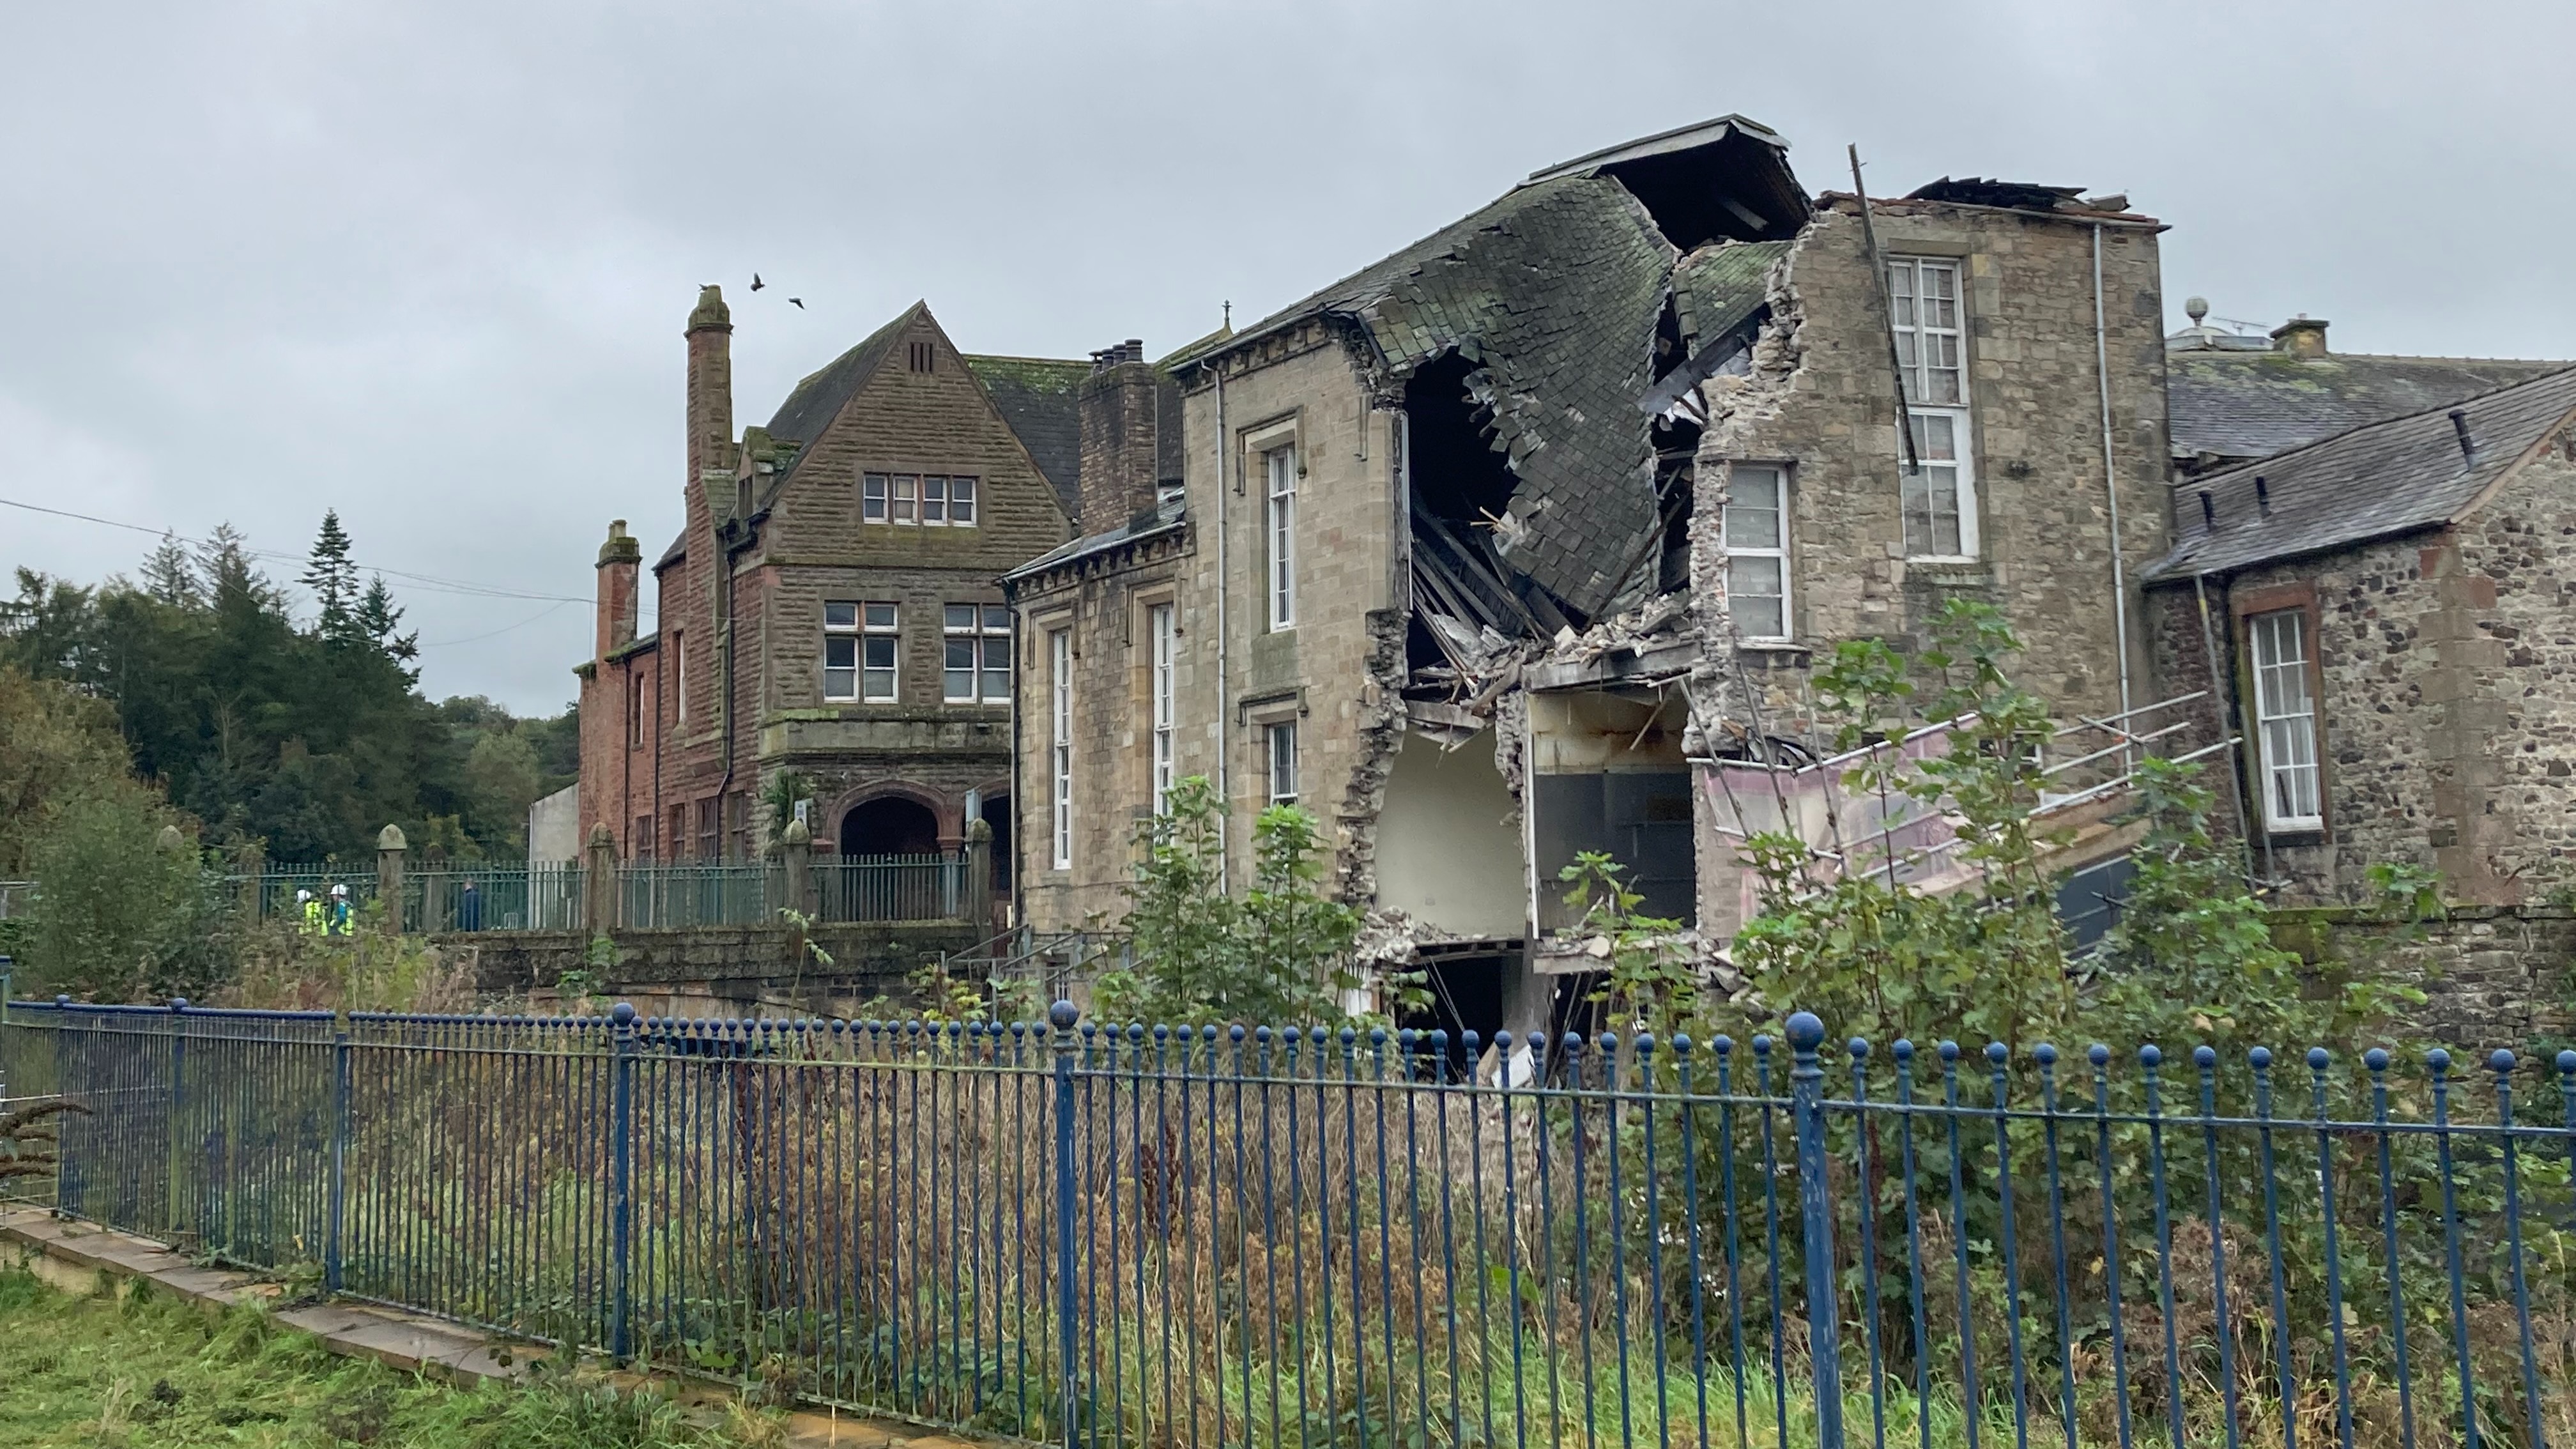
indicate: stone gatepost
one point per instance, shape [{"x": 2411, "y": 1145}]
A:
[
  {"x": 977, "y": 908},
  {"x": 390, "y": 846},
  {"x": 249, "y": 864},
  {"x": 796, "y": 853},
  {"x": 599, "y": 881}
]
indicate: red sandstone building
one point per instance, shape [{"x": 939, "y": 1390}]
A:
[{"x": 831, "y": 605}]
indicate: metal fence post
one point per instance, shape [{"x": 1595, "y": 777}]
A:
[
  {"x": 332, "y": 1249},
  {"x": 1806, "y": 1090},
  {"x": 621, "y": 1177},
  {"x": 171, "y": 1155},
  {"x": 6, "y": 967},
  {"x": 1063, "y": 1016}
]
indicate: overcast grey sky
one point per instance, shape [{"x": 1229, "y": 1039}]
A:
[{"x": 427, "y": 263}]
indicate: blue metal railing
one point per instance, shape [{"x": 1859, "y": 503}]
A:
[{"x": 1187, "y": 1236}]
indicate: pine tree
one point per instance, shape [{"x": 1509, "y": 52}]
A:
[
  {"x": 225, "y": 572},
  {"x": 379, "y": 616},
  {"x": 333, "y": 578},
  {"x": 170, "y": 576}
]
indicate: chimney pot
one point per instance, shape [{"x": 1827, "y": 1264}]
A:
[{"x": 2301, "y": 336}]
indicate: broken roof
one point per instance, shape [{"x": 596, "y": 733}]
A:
[
  {"x": 1552, "y": 293},
  {"x": 2253, "y": 403},
  {"x": 2375, "y": 481}
]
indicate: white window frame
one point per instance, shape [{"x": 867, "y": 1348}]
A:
[
  {"x": 986, "y": 636},
  {"x": 1932, "y": 358},
  {"x": 680, "y": 677},
  {"x": 1279, "y": 743},
  {"x": 874, "y": 489},
  {"x": 1279, "y": 533},
  {"x": 961, "y": 500},
  {"x": 1161, "y": 628},
  {"x": 906, "y": 488},
  {"x": 1741, "y": 473},
  {"x": 2285, "y": 720},
  {"x": 880, "y": 623},
  {"x": 1060, "y": 744}
]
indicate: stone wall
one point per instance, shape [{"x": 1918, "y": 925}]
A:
[
  {"x": 2492, "y": 976},
  {"x": 815, "y": 546},
  {"x": 1819, "y": 398},
  {"x": 2445, "y": 674},
  {"x": 1102, "y": 601},
  {"x": 719, "y": 968}
]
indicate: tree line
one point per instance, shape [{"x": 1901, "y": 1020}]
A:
[{"x": 256, "y": 712}]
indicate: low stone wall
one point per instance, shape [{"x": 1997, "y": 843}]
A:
[
  {"x": 2492, "y": 976},
  {"x": 715, "y": 970}
]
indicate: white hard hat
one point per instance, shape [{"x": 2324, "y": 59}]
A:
[
  {"x": 339, "y": 890},
  {"x": 303, "y": 895}
]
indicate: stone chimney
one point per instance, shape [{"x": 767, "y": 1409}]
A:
[
  {"x": 1117, "y": 403},
  {"x": 2300, "y": 337},
  {"x": 619, "y": 560},
  {"x": 710, "y": 384}
]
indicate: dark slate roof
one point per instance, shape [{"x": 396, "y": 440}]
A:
[
  {"x": 1036, "y": 396},
  {"x": 2381, "y": 479},
  {"x": 819, "y": 398},
  {"x": 1554, "y": 291},
  {"x": 1167, "y": 515},
  {"x": 679, "y": 548},
  {"x": 1717, "y": 289},
  {"x": 2253, "y": 404}
]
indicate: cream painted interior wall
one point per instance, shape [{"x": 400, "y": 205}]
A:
[{"x": 1447, "y": 852}]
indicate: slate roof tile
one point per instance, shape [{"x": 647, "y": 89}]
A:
[{"x": 2378, "y": 480}]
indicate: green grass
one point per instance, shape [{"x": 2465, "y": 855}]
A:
[{"x": 143, "y": 1370}]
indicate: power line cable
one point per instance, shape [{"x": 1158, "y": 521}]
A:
[{"x": 431, "y": 582}]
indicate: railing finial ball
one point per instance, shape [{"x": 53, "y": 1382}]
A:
[
  {"x": 1063, "y": 1015},
  {"x": 1805, "y": 1030}
]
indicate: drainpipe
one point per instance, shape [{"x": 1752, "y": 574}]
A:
[
  {"x": 2111, "y": 496},
  {"x": 1224, "y": 729},
  {"x": 2230, "y": 723},
  {"x": 1019, "y": 804}
]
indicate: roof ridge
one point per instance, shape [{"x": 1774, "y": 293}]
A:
[
  {"x": 1025, "y": 357},
  {"x": 2552, "y": 363},
  {"x": 2274, "y": 459}
]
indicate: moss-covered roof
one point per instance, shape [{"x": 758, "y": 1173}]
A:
[
  {"x": 2252, "y": 404},
  {"x": 1037, "y": 396}
]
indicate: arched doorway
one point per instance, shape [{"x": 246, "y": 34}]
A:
[{"x": 890, "y": 825}]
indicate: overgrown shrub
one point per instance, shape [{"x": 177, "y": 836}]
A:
[{"x": 1278, "y": 953}]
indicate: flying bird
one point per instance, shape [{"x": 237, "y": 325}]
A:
[
  {"x": 799, "y": 303},
  {"x": 756, "y": 282}
]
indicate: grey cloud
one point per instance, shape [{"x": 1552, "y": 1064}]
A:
[{"x": 427, "y": 263}]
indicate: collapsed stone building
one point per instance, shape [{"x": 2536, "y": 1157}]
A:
[
  {"x": 1482, "y": 553},
  {"x": 1524, "y": 541}
]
